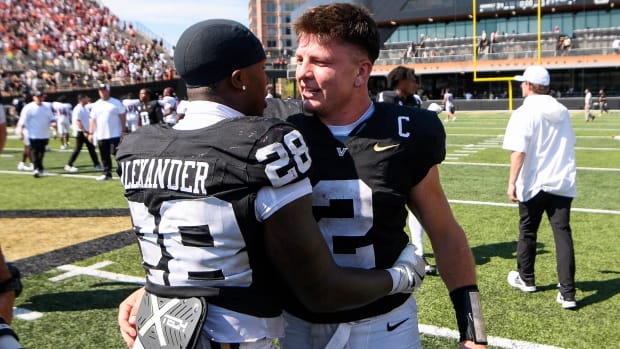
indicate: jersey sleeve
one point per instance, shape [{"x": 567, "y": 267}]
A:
[
  {"x": 281, "y": 155},
  {"x": 430, "y": 138}
]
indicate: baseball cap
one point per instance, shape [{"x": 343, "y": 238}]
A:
[
  {"x": 536, "y": 75},
  {"x": 37, "y": 94},
  {"x": 210, "y": 50},
  {"x": 103, "y": 87}
]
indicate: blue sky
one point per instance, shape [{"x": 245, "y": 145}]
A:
[{"x": 168, "y": 19}]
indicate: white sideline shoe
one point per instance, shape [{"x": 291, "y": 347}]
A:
[
  {"x": 71, "y": 169},
  {"x": 103, "y": 178},
  {"x": 514, "y": 279},
  {"x": 566, "y": 303}
]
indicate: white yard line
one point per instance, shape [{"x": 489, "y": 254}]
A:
[
  {"x": 501, "y": 204},
  {"x": 93, "y": 270},
  {"x": 486, "y": 164},
  {"x": 494, "y": 341}
]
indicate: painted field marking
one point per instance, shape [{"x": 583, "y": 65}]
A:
[
  {"x": 93, "y": 270},
  {"x": 499, "y": 204},
  {"x": 26, "y": 314},
  {"x": 494, "y": 341},
  {"x": 601, "y": 169}
]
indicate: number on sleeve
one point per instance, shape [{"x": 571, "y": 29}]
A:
[{"x": 279, "y": 169}]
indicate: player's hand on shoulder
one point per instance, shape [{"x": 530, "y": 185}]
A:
[{"x": 407, "y": 272}]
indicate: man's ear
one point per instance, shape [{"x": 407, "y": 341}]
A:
[
  {"x": 363, "y": 73},
  {"x": 237, "y": 79}
]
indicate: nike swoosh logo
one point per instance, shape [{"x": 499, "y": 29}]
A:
[
  {"x": 377, "y": 147},
  {"x": 391, "y": 328}
]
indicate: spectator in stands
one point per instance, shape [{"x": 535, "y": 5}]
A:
[
  {"x": 616, "y": 45},
  {"x": 411, "y": 50},
  {"x": 68, "y": 34},
  {"x": 602, "y": 102},
  {"x": 483, "y": 43}
]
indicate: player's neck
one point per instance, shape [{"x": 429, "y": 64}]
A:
[{"x": 346, "y": 114}]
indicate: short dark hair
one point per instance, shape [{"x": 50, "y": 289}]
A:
[
  {"x": 348, "y": 23},
  {"x": 399, "y": 73}
]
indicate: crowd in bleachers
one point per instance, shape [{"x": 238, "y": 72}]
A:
[
  {"x": 50, "y": 45},
  {"x": 501, "y": 46}
]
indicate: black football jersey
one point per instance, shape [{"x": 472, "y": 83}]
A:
[
  {"x": 191, "y": 195},
  {"x": 360, "y": 189},
  {"x": 393, "y": 97},
  {"x": 150, "y": 113}
]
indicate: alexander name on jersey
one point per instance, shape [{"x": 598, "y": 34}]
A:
[{"x": 186, "y": 176}]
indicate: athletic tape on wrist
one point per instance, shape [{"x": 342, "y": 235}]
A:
[{"x": 466, "y": 302}]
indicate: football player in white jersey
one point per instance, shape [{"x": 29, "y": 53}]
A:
[
  {"x": 221, "y": 206},
  {"x": 371, "y": 160},
  {"x": 182, "y": 109},
  {"x": 62, "y": 111},
  {"x": 131, "y": 111},
  {"x": 169, "y": 106}
]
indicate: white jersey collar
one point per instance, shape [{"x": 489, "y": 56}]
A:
[
  {"x": 201, "y": 114},
  {"x": 346, "y": 129}
]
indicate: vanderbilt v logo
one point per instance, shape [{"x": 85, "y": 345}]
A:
[{"x": 341, "y": 151}]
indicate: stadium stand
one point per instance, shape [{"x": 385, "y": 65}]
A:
[{"x": 56, "y": 45}]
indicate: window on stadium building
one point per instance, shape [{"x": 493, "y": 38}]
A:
[{"x": 567, "y": 22}]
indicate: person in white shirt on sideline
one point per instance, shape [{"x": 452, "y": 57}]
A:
[
  {"x": 542, "y": 179},
  {"x": 36, "y": 118},
  {"x": 81, "y": 123},
  {"x": 107, "y": 125}
]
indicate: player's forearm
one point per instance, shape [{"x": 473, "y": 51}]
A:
[
  {"x": 516, "y": 162},
  {"x": 455, "y": 260},
  {"x": 296, "y": 247}
]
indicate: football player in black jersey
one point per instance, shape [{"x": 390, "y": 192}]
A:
[
  {"x": 369, "y": 161},
  {"x": 149, "y": 110},
  {"x": 221, "y": 206},
  {"x": 403, "y": 85}
]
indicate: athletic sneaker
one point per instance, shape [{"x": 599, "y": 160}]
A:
[
  {"x": 430, "y": 269},
  {"x": 566, "y": 303},
  {"x": 98, "y": 167},
  {"x": 36, "y": 173},
  {"x": 21, "y": 167},
  {"x": 514, "y": 279},
  {"x": 72, "y": 169},
  {"x": 103, "y": 178}
]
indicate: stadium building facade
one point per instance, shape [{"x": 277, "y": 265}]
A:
[{"x": 453, "y": 46}]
